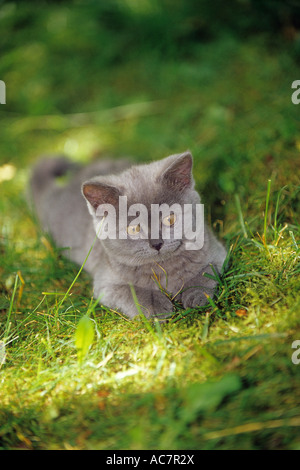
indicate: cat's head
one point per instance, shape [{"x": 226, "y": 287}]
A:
[{"x": 147, "y": 203}]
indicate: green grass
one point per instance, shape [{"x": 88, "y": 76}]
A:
[{"x": 218, "y": 377}]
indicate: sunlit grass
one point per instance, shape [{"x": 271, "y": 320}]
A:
[{"x": 130, "y": 365}]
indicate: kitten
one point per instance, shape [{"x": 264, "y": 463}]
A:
[{"x": 153, "y": 266}]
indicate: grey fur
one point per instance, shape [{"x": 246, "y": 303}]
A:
[{"x": 70, "y": 216}]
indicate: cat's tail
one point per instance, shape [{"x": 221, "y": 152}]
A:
[{"x": 44, "y": 174}]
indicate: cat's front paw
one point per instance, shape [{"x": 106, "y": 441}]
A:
[
  {"x": 161, "y": 307},
  {"x": 150, "y": 303},
  {"x": 194, "y": 297},
  {"x": 158, "y": 306}
]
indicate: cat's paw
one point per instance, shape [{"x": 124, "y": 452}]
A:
[
  {"x": 194, "y": 297},
  {"x": 158, "y": 306},
  {"x": 163, "y": 307}
]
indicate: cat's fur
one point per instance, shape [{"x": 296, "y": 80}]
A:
[{"x": 68, "y": 213}]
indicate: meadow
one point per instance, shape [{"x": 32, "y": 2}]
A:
[{"x": 98, "y": 79}]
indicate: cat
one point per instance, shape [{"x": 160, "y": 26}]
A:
[{"x": 133, "y": 274}]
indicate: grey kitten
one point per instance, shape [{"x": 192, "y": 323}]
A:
[{"x": 159, "y": 269}]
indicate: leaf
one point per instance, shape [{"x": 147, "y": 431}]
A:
[
  {"x": 84, "y": 336},
  {"x": 201, "y": 397},
  {"x": 241, "y": 312}
]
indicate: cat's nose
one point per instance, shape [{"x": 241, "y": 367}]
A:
[{"x": 157, "y": 244}]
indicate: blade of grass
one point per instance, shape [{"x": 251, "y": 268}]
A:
[
  {"x": 7, "y": 325},
  {"x": 253, "y": 427},
  {"x": 81, "y": 268},
  {"x": 276, "y": 211},
  {"x": 266, "y": 211},
  {"x": 143, "y": 317},
  {"x": 294, "y": 240},
  {"x": 205, "y": 327},
  {"x": 240, "y": 215}
]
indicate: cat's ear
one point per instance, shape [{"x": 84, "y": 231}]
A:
[
  {"x": 178, "y": 174},
  {"x": 97, "y": 193}
]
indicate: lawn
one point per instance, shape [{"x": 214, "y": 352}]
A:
[{"x": 102, "y": 79}]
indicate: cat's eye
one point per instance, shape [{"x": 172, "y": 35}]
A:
[
  {"x": 133, "y": 229},
  {"x": 169, "y": 220}
]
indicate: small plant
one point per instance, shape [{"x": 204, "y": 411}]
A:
[{"x": 84, "y": 336}]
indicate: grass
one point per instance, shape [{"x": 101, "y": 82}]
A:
[{"x": 217, "y": 377}]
